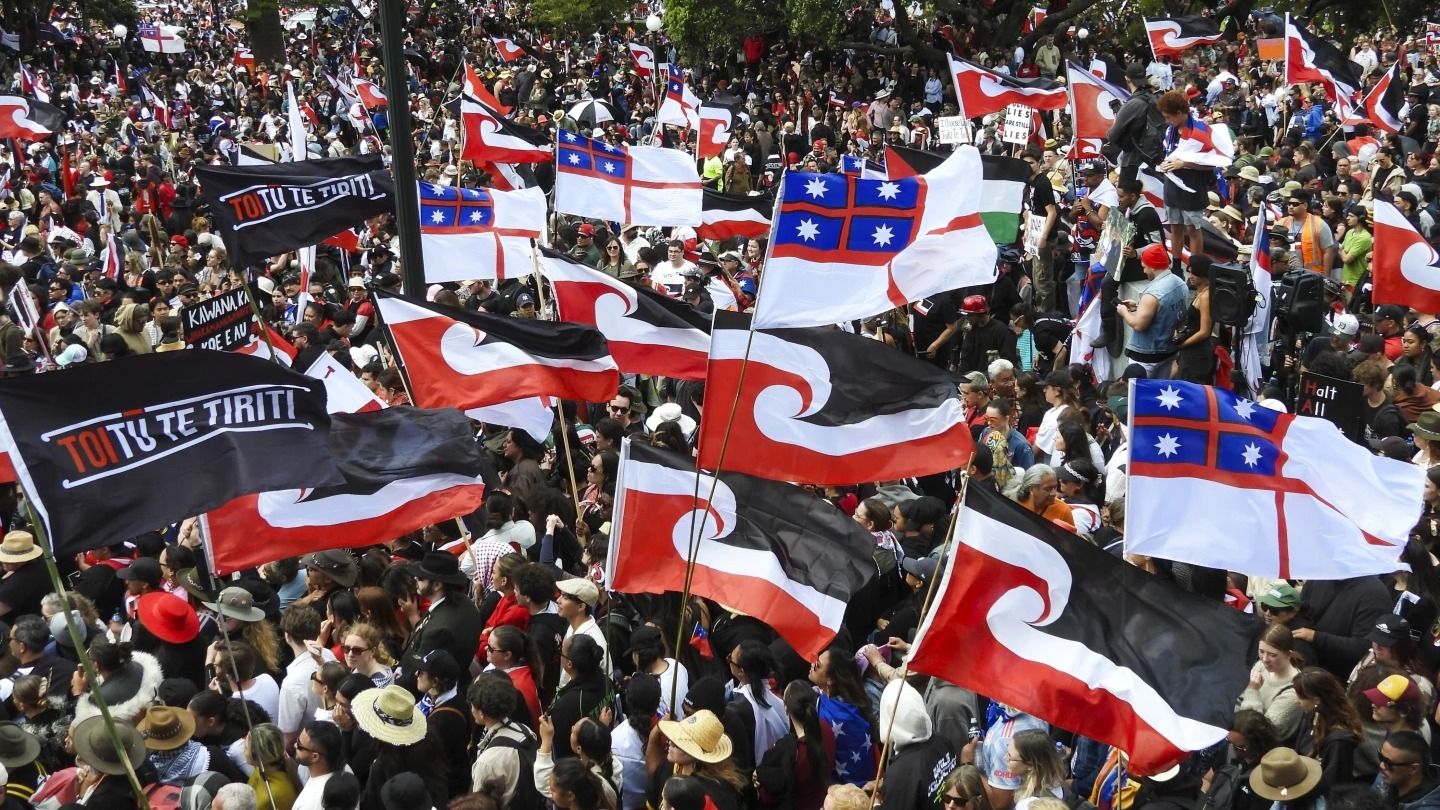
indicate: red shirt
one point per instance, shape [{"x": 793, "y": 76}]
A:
[{"x": 1393, "y": 348}]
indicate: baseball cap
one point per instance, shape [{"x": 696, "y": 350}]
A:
[
  {"x": 524, "y": 299},
  {"x": 144, "y": 569},
  {"x": 1389, "y": 631},
  {"x": 585, "y": 229},
  {"x": 1390, "y": 312},
  {"x": 922, "y": 568},
  {"x": 1345, "y": 324},
  {"x": 977, "y": 380},
  {"x": 1281, "y": 595},
  {"x": 1396, "y": 690}
]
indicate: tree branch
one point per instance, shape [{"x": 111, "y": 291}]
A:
[{"x": 1053, "y": 21}]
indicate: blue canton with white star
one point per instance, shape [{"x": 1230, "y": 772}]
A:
[
  {"x": 578, "y": 153},
  {"x": 446, "y": 209},
  {"x": 868, "y": 221},
  {"x": 1175, "y": 423}
]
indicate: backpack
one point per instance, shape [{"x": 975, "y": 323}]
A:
[
  {"x": 527, "y": 797},
  {"x": 1150, "y": 141}
]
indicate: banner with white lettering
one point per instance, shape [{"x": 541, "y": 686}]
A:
[
  {"x": 266, "y": 210},
  {"x": 110, "y": 450},
  {"x": 221, "y": 323}
]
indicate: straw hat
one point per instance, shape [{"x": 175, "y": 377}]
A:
[
  {"x": 166, "y": 728},
  {"x": 701, "y": 735},
  {"x": 19, "y": 547},
  {"x": 1285, "y": 776},
  {"x": 389, "y": 715}
]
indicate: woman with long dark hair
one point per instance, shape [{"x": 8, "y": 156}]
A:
[
  {"x": 751, "y": 666},
  {"x": 796, "y": 770},
  {"x": 844, "y": 702},
  {"x": 1330, "y": 729},
  {"x": 1410, "y": 396}
]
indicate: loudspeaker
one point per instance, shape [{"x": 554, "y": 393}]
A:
[
  {"x": 1300, "y": 301},
  {"x": 1232, "y": 297}
]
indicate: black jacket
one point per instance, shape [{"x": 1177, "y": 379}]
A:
[
  {"x": 1344, "y": 612},
  {"x": 576, "y": 700},
  {"x": 452, "y": 625}
]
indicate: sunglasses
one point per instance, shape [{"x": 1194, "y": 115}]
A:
[
  {"x": 355, "y": 650},
  {"x": 1386, "y": 762},
  {"x": 616, "y": 408},
  {"x": 956, "y": 800}
]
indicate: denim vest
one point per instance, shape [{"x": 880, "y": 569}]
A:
[{"x": 1159, "y": 336}]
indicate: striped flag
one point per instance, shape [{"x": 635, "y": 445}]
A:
[{"x": 729, "y": 216}]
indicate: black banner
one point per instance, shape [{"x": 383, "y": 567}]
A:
[
  {"x": 220, "y": 323},
  {"x": 264, "y": 211},
  {"x": 111, "y": 450}
]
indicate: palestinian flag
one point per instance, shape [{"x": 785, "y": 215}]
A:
[{"x": 1002, "y": 197}]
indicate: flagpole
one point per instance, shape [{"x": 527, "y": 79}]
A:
[
  {"x": 888, "y": 736},
  {"x": 564, "y": 437},
  {"x": 695, "y": 529},
  {"x": 402, "y": 146},
  {"x": 92, "y": 678}
]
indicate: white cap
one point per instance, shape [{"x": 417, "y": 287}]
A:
[
  {"x": 1345, "y": 324},
  {"x": 73, "y": 355}
]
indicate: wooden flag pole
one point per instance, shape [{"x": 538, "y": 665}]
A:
[{"x": 91, "y": 676}]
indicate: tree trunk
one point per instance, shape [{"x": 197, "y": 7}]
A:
[
  {"x": 1053, "y": 21},
  {"x": 267, "y": 36}
]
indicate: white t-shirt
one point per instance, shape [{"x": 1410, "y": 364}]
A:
[
  {"x": 266, "y": 694},
  {"x": 297, "y": 700}
]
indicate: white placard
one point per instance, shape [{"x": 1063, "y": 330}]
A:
[
  {"x": 1017, "y": 124},
  {"x": 953, "y": 129}
]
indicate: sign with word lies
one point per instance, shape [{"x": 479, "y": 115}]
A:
[
  {"x": 1017, "y": 124},
  {"x": 1341, "y": 402},
  {"x": 221, "y": 323}
]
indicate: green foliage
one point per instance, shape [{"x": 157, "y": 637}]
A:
[
  {"x": 107, "y": 12},
  {"x": 819, "y": 21},
  {"x": 583, "y": 14}
]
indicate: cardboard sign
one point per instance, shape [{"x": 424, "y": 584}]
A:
[
  {"x": 1017, "y": 124},
  {"x": 953, "y": 129},
  {"x": 221, "y": 323},
  {"x": 1339, "y": 401}
]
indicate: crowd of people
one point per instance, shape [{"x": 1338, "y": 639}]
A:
[{"x": 485, "y": 663}]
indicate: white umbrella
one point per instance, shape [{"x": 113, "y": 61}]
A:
[{"x": 593, "y": 112}]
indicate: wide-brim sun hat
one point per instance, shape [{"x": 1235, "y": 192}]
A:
[
  {"x": 389, "y": 715},
  {"x": 94, "y": 747},
  {"x": 701, "y": 735},
  {"x": 1285, "y": 776}
]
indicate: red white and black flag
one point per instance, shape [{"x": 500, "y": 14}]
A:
[
  {"x": 1383, "y": 105},
  {"x": 791, "y": 559},
  {"x": 1060, "y": 629},
  {"x": 822, "y": 406},
  {"x": 487, "y": 137},
  {"x": 104, "y": 451},
  {"x": 648, "y": 333},
  {"x": 269, "y": 209},
  {"x": 982, "y": 92},
  {"x": 458, "y": 359},
  {"x": 404, "y": 468},
  {"x": 1172, "y": 36},
  {"x": 731, "y": 216},
  {"x": 1309, "y": 58},
  {"x": 717, "y": 123}
]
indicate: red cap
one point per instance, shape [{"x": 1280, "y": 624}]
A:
[
  {"x": 1156, "y": 257},
  {"x": 974, "y": 305},
  {"x": 179, "y": 240},
  {"x": 586, "y": 229}
]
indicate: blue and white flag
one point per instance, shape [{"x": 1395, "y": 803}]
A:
[
  {"x": 847, "y": 248},
  {"x": 481, "y": 233},
  {"x": 1221, "y": 481},
  {"x": 643, "y": 185}
]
